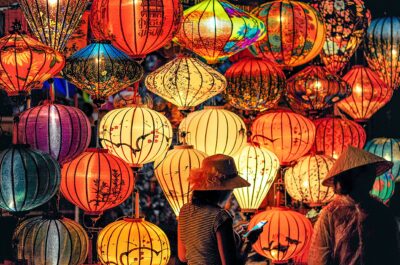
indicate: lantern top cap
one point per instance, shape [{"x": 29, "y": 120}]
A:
[
  {"x": 101, "y": 41},
  {"x": 213, "y": 107},
  {"x": 183, "y": 146},
  {"x": 96, "y": 150},
  {"x": 133, "y": 220}
]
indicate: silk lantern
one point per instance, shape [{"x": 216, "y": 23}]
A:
[
  {"x": 295, "y": 33},
  {"x": 133, "y": 241},
  {"x": 51, "y": 241},
  {"x": 384, "y": 187},
  {"x": 287, "y": 134},
  {"x": 254, "y": 84},
  {"x": 286, "y": 234},
  {"x": 215, "y": 30},
  {"x": 214, "y": 130},
  {"x": 186, "y": 82}
]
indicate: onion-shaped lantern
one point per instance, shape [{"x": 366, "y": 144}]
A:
[
  {"x": 259, "y": 167},
  {"x": 383, "y": 188},
  {"x": 136, "y": 27},
  {"x": 286, "y": 235},
  {"x": 295, "y": 32},
  {"x": 334, "y": 135},
  {"x": 101, "y": 70},
  {"x": 51, "y": 241},
  {"x": 96, "y": 181},
  {"x": 214, "y": 130},
  {"x": 287, "y": 134},
  {"x": 172, "y": 172},
  {"x": 53, "y": 21},
  {"x": 136, "y": 134},
  {"x": 315, "y": 89},
  {"x": 369, "y": 93},
  {"x": 63, "y": 132},
  {"x": 186, "y": 82},
  {"x": 217, "y": 29},
  {"x": 303, "y": 181},
  {"x": 254, "y": 84},
  {"x": 133, "y": 241}
]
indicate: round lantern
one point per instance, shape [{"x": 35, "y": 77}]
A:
[
  {"x": 254, "y": 84},
  {"x": 287, "y": 134},
  {"x": 28, "y": 178},
  {"x": 136, "y": 27},
  {"x": 315, "y": 89},
  {"x": 295, "y": 32},
  {"x": 101, "y": 70},
  {"x": 63, "y": 132},
  {"x": 286, "y": 235},
  {"x": 259, "y": 167},
  {"x": 383, "y": 188},
  {"x": 51, "y": 241},
  {"x": 136, "y": 134},
  {"x": 382, "y": 48},
  {"x": 214, "y": 130},
  {"x": 186, "y": 82},
  {"x": 172, "y": 172},
  {"x": 133, "y": 241},
  {"x": 217, "y": 29},
  {"x": 53, "y": 21},
  {"x": 96, "y": 181},
  {"x": 303, "y": 181},
  {"x": 334, "y": 135}
]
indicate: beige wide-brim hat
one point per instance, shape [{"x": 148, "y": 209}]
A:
[
  {"x": 353, "y": 158},
  {"x": 217, "y": 172}
]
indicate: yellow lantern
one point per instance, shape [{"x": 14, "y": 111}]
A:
[
  {"x": 186, "y": 82},
  {"x": 259, "y": 167},
  {"x": 172, "y": 172},
  {"x": 134, "y": 242}
]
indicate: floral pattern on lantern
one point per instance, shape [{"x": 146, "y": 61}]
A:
[{"x": 383, "y": 188}]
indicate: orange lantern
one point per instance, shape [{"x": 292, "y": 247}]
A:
[
  {"x": 369, "y": 94},
  {"x": 287, "y": 134}
]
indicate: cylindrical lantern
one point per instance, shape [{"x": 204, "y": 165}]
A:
[
  {"x": 259, "y": 167},
  {"x": 29, "y": 178},
  {"x": 334, "y": 135},
  {"x": 287, "y": 134},
  {"x": 369, "y": 94},
  {"x": 214, "y": 130},
  {"x": 64, "y": 132},
  {"x": 133, "y": 241},
  {"x": 286, "y": 234},
  {"x": 254, "y": 84},
  {"x": 295, "y": 32},
  {"x": 383, "y": 188},
  {"x": 136, "y": 134},
  {"x": 186, "y": 82},
  {"x": 51, "y": 241},
  {"x": 303, "y": 181}
]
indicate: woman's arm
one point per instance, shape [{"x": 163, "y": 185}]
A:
[
  {"x": 181, "y": 247},
  {"x": 321, "y": 244},
  {"x": 226, "y": 244}
]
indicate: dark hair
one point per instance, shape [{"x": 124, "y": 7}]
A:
[
  {"x": 210, "y": 196},
  {"x": 344, "y": 184}
]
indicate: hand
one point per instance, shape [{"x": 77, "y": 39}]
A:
[
  {"x": 241, "y": 228},
  {"x": 254, "y": 235}
]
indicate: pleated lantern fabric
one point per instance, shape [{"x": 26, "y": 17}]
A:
[
  {"x": 64, "y": 132},
  {"x": 384, "y": 187},
  {"x": 214, "y": 130},
  {"x": 133, "y": 241},
  {"x": 29, "y": 178},
  {"x": 96, "y": 181},
  {"x": 51, "y": 241},
  {"x": 186, "y": 82}
]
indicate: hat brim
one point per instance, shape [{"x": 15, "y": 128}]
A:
[{"x": 228, "y": 184}]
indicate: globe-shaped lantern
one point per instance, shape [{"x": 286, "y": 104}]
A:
[
  {"x": 53, "y": 21},
  {"x": 384, "y": 187},
  {"x": 133, "y": 241},
  {"x": 214, "y": 130},
  {"x": 334, "y": 135},
  {"x": 186, "y": 82},
  {"x": 295, "y": 32},
  {"x": 254, "y": 84},
  {"x": 101, "y": 70},
  {"x": 137, "y": 27},
  {"x": 287, "y": 134},
  {"x": 286, "y": 235},
  {"x": 303, "y": 181},
  {"x": 259, "y": 167},
  {"x": 136, "y": 134},
  {"x": 96, "y": 181},
  {"x": 217, "y": 29},
  {"x": 64, "y": 132},
  {"x": 51, "y": 241}
]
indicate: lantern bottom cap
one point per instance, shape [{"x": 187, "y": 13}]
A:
[{"x": 133, "y": 219}]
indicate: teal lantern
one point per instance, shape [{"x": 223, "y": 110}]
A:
[{"x": 383, "y": 188}]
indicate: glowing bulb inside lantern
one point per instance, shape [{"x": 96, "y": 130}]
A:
[
  {"x": 52, "y": 2},
  {"x": 305, "y": 184},
  {"x": 358, "y": 89},
  {"x": 317, "y": 85},
  {"x": 335, "y": 155},
  {"x": 387, "y": 157},
  {"x": 394, "y": 53}
]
